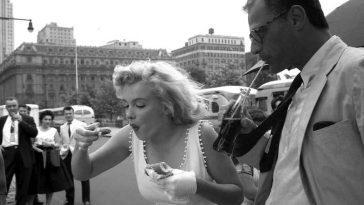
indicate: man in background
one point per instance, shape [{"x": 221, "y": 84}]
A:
[
  {"x": 276, "y": 101},
  {"x": 67, "y": 131},
  {"x": 16, "y": 131},
  {"x": 24, "y": 109}
]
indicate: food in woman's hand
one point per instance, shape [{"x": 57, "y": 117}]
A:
[
  {"x": 104, "y": 130},
  {"x": 158, "y": 171},
  {"x": 101, "y": 131}
]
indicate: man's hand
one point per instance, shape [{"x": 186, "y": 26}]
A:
[
  {"x": 16, "y": 117},
  {"x": 246, "y": 122}
]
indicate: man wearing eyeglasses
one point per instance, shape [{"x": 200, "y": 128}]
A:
[
  {"x": 316, "y": 152},
  {"x": 16, "y": 130}
]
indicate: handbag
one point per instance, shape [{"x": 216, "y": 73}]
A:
[{"x": 54, "y": 157}]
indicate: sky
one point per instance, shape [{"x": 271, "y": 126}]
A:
[{"x": 155, "y": 24}]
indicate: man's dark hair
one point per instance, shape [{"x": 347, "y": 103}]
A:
[
  {"x": 68, "y": 108},
  {"x": 275, "y": 100},
  {"x": 11, "y": 98},
  {"x": 23, "y": 106},
  {"x": 46, "y": 113},
  {"x": 26, "y": 107},
  {"x": 312, "y": 7}
]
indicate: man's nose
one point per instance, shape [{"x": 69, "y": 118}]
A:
[{"x": 255, "y": 47}]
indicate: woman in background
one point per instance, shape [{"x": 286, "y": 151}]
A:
[{"x": 50, "y": 173}]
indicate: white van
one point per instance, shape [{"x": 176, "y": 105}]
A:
[
  {"x": 216, "y": 99},
  {"x": 34, "y": 112},
  {"x": 270, "y": 90}
]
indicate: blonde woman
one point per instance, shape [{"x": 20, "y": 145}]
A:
[{"x": 164, "y": 126}]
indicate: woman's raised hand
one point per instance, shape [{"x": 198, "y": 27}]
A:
[{"x": 87, "y": 135}]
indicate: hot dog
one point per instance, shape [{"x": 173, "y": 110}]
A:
[{"x": 158, "y": 171}]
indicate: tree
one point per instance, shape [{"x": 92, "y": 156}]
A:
[
  {"x": 197, "y": 74},
  {"x": 84, "y": 98},
  {"x": 229, "y": 75},
  {"x": 105, "y": 103}
]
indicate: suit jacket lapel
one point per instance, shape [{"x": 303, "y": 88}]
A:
[
  {"x": 2, "y": 122},
  {"x": 318, "y": 83}
]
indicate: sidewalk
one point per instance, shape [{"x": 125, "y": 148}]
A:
[{"x": 10, "y": 199}]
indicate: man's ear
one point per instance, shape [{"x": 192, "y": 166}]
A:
[{"x": 297, "y": 17}]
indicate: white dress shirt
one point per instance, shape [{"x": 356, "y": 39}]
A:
[
  {"x": 7, "y": 142},
  {"x": 69, "y": 140}
]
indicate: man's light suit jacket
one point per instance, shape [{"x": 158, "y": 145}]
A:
[{"x": 332, "y": 158}]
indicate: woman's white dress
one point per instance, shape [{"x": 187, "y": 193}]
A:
[{"x": 194, "y": 159}]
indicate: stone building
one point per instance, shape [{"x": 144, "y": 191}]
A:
[
  {"x": 56, "y": 35},
  {"x": 211, "y": 52},
  {"x": 6, "y": 29},
  {"x": 45, "y": 74}
]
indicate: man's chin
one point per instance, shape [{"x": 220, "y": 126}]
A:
[{"x": 278, "y": 68}]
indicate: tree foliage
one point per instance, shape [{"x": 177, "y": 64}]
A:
[
  {"x": 229, "y": 75},
  {"x": 101, "y": 98},
  {"x": 105, "y": 103},
  {"x": 197, "y": 74}
]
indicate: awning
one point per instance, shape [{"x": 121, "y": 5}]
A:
[{"x": 347, "y": 22}]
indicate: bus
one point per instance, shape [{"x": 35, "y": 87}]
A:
[
  {"x": 270, "y": 90},
  {"x": 216, "y": 99},
  {"x": 34, "y": 112},
  {"x": 82, "y": 112}
]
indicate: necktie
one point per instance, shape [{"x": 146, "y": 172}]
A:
[
  {"x": 12, "y": 127},
  {"x": 69, "y": 130},
  {"x": 245, "y": 142},
  {"x": 12, "y": 131}
]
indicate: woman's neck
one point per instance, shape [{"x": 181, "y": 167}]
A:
[
  {"x": 44, "y": 127},
  {"x": 169, "y": 134}
]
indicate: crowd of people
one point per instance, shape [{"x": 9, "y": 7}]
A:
[
  {"x": 312, "y": 153},
  {"x": 39, "y": 157}
]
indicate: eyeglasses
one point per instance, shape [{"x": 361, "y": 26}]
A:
[{"x": 258, "y": 33}]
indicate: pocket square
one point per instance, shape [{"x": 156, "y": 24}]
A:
[{"x": 322, "y": 124}]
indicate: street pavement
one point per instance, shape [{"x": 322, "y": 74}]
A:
[{"x": 113, "y": 187}]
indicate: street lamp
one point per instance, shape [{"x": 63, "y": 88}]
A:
[
  {"x": 76, "y": 68},
  {"x": 30, "y": 26}
]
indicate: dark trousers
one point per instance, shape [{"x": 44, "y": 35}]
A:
[
  {"x": 3, "y": 190},
  {"x": 14, "y": 165},
  {"x": 70, "y": 193}
]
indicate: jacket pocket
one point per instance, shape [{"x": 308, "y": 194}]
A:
[{"x": 333, "y": 161}]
